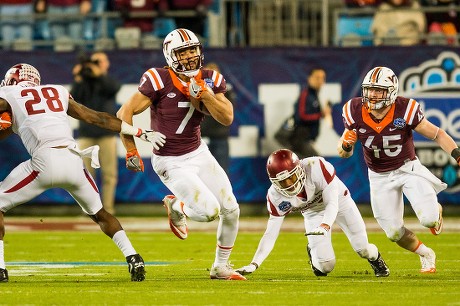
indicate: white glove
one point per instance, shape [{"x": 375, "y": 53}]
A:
[
  {"x": 157, "y": 139},
  {"x": 317, "y": 231},
  {"x": 247, "y": 269}
]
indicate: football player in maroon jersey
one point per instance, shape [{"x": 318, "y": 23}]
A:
[
  {"x": 383, "y": 122},
  {"x": 178, "y": 97}
]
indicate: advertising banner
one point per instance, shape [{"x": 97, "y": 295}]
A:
[{"x": 267, "y": 82}]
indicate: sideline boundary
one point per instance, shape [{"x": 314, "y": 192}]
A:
[{"x": 292, "y": 223}]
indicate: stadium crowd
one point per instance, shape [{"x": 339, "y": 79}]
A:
[{"x": 34, "y": 24}]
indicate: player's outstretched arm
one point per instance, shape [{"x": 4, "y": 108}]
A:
[
  {"x": 444, "y": 140},
  {"x": 99, "y": 119},
  {"x": 266, "y": 244},
  {"x": 112, "y": 123},
  {"x": 252, "y": 267}
]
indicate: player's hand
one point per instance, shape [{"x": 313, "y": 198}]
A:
[
  {"x": 247, "y": 269},
  {"x": 350, "y": 138},
  {"x": 134, "y": 161},
  {"x": 320, "y": 230},
  {"x": 157, "y": 139},
  {"x": 5, "y": 121},
  {"x": 196, "y": 88}
]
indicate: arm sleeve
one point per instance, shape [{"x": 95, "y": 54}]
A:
[
  {"x": 331, "y": 202},
  {"x": 326, "y": 180},
  {"x": 268, "y": 240}
]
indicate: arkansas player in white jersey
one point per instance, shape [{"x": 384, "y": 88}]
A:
[
  {"x": 311, "y": 187},
  {"x": 383, "y": 122},
  {"x": 40, "y": 119},
  {"x": 178, "y": 98}
]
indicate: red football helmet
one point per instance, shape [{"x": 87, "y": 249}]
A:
[
  {"x": 20, "y": 73},
  {"x": 285, "y": 172}
]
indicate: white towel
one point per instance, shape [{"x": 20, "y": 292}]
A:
[
  {"x": 90, "y": 152},
  {"x": 415, "y": 167}
]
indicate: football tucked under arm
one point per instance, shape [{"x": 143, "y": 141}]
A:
[{"x": 199, "y": 106}]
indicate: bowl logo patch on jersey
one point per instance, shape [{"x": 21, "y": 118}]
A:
[
  {"x": 171, "y": 95},
  {"x": 209, "y": 82},
  {"x": 399, "y": 123},
  {"x": 285, "y": 206}
]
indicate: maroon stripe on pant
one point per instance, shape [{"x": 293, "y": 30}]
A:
[
  {"x": 24, "y": 182},
  {"x": 91, "y": 181}
]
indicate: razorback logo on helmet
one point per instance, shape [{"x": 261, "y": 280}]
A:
[{"x": 26, "y": 74}]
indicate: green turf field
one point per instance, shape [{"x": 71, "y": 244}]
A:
[{"x": 85, "y": 268}]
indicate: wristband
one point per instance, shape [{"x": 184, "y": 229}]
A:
[
  {"x": 255, "y": 265},
  {"x": 347, "y": 148},
  {"x": 456, "y": 154},
  {"x": 131, "y": 153},
  {"x": 128, "y": 129}
]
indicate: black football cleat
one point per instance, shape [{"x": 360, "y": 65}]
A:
[
  {"x": 3, "y": 275},
  {"x": 316, "y": 271},
  {"x": 136, "y": 267},
  {"x": 380, "y": 267}
]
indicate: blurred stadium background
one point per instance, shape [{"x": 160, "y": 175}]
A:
[{"x": 264, "y": 49}]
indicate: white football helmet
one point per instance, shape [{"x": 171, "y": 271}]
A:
[
  {"x": 382, "y": 78},
  {"x": 22, "y": 74},
  {"x": 285, "y": 172},
  {"x": 175, "y": 42}
]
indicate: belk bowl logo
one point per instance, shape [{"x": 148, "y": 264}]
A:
[
  {"x": 285, "y": 206},
  {"x": 209, "y": 82},
  {"x": 399, "y": 123},
  {"x": 437, "y": 77}
]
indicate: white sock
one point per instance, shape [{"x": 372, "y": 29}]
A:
[
  {"x": 226, "y": 236},
  {"x": 422, "y": 250},
  {"x": 2, "y": 255},
  {"x": 222, "y": 255},
  {"x": 123, "y": 243},
  {"x": 373, "y": 252},
  {"x": 177, "y": 206}
]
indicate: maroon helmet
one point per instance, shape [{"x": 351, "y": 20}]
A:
[
  {"x": 285, "y": 172},
  {"x": 20, "y": 73}
]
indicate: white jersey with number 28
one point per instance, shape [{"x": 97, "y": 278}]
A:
[{"x": 40, "y": 115}]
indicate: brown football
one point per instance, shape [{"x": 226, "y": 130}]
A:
[{"x": 199, "y": 106}]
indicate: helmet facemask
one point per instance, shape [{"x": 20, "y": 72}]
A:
[
  {"x": 289, "y": 183},
  {"x": 376, "y": 101},
  {"x": 189, "y": 66}
]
